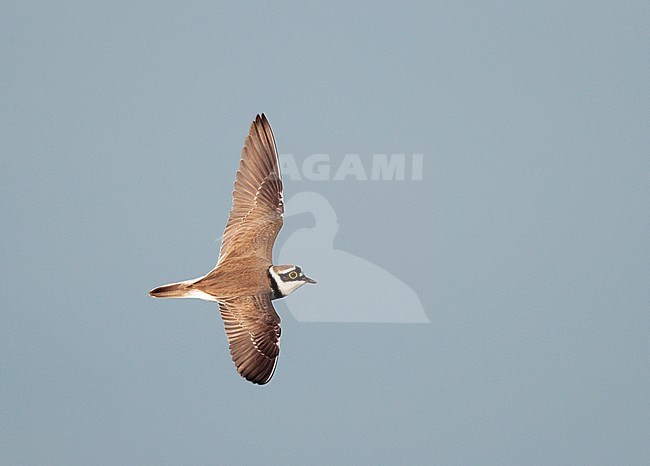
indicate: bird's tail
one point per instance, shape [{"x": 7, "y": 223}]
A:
[{"x": 174, "y": 290}]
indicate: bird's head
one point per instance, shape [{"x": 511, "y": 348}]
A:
[{"x": 285, "y": 279}]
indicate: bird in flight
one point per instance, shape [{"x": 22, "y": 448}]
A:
[{"x": 244, "y": 282}]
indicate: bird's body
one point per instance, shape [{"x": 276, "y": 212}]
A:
[
  {"x": 243, "y": 276},
  {"x": 244, "y": 281}
]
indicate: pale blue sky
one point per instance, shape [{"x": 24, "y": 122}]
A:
[{"x": 526, "y": 240}]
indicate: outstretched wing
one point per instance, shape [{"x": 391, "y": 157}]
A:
[
  {"x": 253, "y": 331},
  {"x": 256, "y": 214}
]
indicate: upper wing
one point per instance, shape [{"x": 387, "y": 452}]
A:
[
  {"x": 256, "y": 214},
  {"x": 253, "y": 331}
]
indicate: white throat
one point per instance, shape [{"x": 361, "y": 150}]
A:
[{"x": 285, "y": 288}]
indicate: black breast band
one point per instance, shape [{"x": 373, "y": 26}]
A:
[{"x": 277, "y": 294}]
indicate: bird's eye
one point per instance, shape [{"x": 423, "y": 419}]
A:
[{"x": 293, "y": 275}]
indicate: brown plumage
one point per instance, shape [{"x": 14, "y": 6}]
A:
[
  {"x": 244, "y": 280},
  {"x": 253, "y": 331}
]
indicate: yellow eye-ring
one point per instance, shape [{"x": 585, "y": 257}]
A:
[{"x": 293, "y": 275}]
